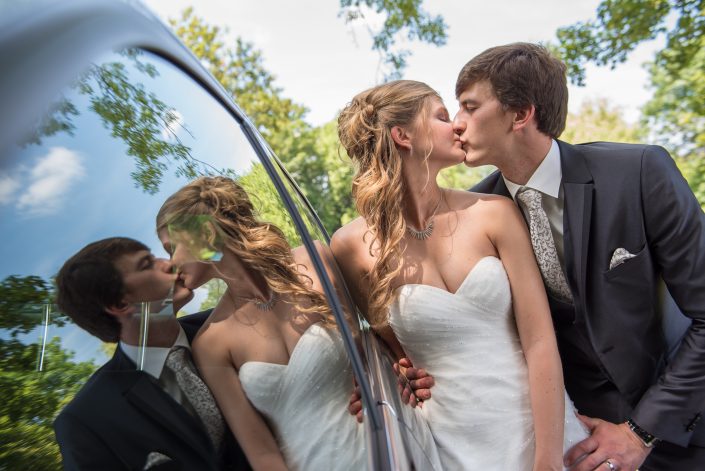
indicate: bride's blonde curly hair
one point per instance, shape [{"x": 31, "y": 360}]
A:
[
  {"x": 364, "y": 128},
  {"x": 219, "y": 210}
]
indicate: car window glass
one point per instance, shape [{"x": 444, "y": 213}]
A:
[{"x": 129, "y": 132}]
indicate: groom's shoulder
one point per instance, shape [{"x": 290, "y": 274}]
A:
[
  {"x": 487, "y": 184},
  {"x": 601, "y": 156},
  {"x": 612, "y": 150}
]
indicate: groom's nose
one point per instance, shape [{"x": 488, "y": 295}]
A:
[{"x": 458, "y": 124}]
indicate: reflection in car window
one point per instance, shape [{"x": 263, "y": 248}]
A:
[{"x": 130, "y": 131}]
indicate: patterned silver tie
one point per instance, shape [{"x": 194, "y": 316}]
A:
[
  {"x": 196, "y": 393},
  {"x": 544, "y": 245}
]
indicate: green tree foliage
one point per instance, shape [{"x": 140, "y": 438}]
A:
[
  {"x": 306, "y": 151},
  {"x": 31, "y": 401},
  {"x": 675, "y": 115},
  {"x": 139, "y": 118},
  {"x": 216, "y": 289},
  {"x": 22, "y": 301},
  {"x": 461, "y": 177},
  {"x": 597, "y": 120},
  {"x": 402, "y": 19},
  {"x": 132, "y": 113},
  {"x": 267, "y": 202},
  {"x": 336, "y": 207}
]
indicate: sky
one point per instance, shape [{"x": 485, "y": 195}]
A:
[{"x": 321, "y": 62}]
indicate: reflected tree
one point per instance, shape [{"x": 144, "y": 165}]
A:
[
  {"x": 139, "y": 118},
  {"x": 32, "y": 399},
  {"x": 22, "y": 299}
]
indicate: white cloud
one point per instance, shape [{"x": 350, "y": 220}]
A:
[
  {"x": 174, "y": 124},
  {"x": 50, "y": 180},
  {"x": 8, "y": 187}
]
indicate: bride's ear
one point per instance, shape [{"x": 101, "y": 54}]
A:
[{"x": 401, "y": 137}]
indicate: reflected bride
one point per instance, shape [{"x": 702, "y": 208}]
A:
[{"x": 270, "y": 350}]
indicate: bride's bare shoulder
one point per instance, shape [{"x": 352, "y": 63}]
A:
[{"x": 350, "y": 235}]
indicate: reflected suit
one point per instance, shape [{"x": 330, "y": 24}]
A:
[{"x": 122, "y": 415}]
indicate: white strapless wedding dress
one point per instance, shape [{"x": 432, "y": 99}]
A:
[
  {"x": 305, "y": 403},
  {"x": 480, "y": 412}
]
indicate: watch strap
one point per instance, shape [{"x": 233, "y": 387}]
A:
[{"x": 646, "y": 438}]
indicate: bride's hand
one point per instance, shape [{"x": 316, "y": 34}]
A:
[{"x": 414, "y": 383}]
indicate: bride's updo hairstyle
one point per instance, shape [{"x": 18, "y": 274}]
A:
[
  {"x": 218, "y": 213},
  {"x": 365, "y": 131}
]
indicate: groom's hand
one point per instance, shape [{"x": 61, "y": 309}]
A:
[
  {"x": 607, "y": 441},
  {"x": 355, "y": 404},
  {"x": 414, "y": 383}
]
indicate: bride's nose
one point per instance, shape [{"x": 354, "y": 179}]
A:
[{"x": 167, "y": 266}]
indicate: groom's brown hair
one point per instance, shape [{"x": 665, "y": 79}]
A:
[
  {"x": 89, "y": 282},
  {"x": 521, "y": 75}
]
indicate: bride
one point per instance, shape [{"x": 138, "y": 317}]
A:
[
  {"x": 270, "y": 351},
  {"x": 448, "y": 278}
]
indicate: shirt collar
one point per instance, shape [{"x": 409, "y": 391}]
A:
[
  {"x": 547, "y": 176},
  {"x": 154, "y": 357}
]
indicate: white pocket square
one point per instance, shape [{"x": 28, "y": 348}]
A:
[
  {"x": 155, "y": 458},
  {"x": 619, "y": 257}
]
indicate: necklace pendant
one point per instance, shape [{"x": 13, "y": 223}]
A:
[
  {"x": 421, "y": 235},
  {"x": 265, "y": 305}
]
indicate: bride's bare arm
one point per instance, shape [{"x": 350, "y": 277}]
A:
[
  {"x": 511, "y": 238},
  {"x": 252, "y": 433}
]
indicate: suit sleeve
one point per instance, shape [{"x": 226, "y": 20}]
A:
[
  {"x": 81, "y": 448},
  {"x": 675, "y": 230}
]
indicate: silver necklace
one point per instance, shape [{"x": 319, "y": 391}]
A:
[
  {"x": 267, "y": 305},
  {"x": 428, "y": 230}
]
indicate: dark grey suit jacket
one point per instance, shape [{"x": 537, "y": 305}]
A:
[
  {"x": 121, "y": 415},
  {"x": 634, "y": 197}
]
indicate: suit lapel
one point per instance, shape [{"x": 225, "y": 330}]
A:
[
  {"x": 577, "y": 212},
  {"x": 500, "y": 188},
  {"x": 144, "y": 393}
]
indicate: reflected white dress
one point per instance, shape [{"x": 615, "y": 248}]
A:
[
  {"x": 305, "y": 403},
  {"x": 480, "y": 412}
]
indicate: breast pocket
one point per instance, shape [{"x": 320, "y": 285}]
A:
[{"x": 637, "y": 267}]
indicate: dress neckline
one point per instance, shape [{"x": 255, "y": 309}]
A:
[
  {"x": 465, "y": 280},
  {"x": 291, "y": 356}
]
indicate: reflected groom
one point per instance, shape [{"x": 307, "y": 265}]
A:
[
  {"x": 607, "y": 222},
  {"x": 162, "y": 417}
]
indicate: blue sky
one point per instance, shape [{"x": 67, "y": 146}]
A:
[{"x": 71, "y": 190}]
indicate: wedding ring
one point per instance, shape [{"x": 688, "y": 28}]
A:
[{"x": 611, "y": 465}]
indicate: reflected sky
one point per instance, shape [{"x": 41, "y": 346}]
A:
[{"x": 71, "y": 190}]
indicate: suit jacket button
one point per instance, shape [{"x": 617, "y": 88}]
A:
[{"x": 691, "y": 425}]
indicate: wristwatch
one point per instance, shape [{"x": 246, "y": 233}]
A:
[{"x": 647, "y": 439}]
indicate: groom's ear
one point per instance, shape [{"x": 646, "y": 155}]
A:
[
  {"x": 122, "y": 309},
  {"x": 401, "y": 137},
  {"x": 522, "y": 117}
]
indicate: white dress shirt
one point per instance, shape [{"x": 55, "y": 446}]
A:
[
  {"x": 547, "y": 179},
  {"x": 154, "y": 359}
]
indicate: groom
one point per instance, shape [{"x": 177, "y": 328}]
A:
[
  {"x": 607, "y": 221},
  {"x": 160, "y": 416}
]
